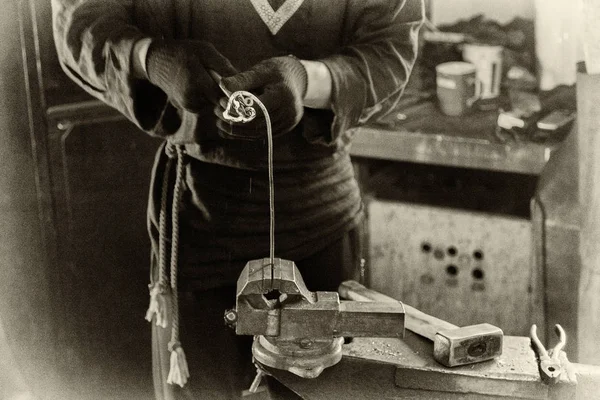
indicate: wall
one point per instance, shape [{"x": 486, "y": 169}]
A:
[
  {"x": 447, "y": 11},
  {"x": 558, "y": 24}
]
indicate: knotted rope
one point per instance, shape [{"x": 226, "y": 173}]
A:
[{"x": 239, "y": 109}]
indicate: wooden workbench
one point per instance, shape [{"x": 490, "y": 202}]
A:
[
  {"x": 426, "y": 136},
  {"x": 375, "y": 369}
]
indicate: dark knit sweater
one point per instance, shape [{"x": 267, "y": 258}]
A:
[{"x": 369, "y": 47}]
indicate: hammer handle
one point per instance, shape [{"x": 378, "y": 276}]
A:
[{"x": 416, "y": 321}]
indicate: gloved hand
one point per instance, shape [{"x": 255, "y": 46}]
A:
[
  {"x": 280, "y": 84},
  {"x": 179, "y": 68}
]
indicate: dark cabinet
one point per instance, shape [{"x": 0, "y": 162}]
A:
[
  {"x": 93, "y": 172},
  {"x": 100, "y": 171}
]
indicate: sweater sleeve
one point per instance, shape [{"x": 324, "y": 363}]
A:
[
  {"x": 371, "y": 69},
  {"x": 94, "y": 41}
]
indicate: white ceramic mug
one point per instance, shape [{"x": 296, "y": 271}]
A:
[{"x": 488, "y": 64}]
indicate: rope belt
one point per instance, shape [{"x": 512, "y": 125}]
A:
[{"x": 239, "y": 109}]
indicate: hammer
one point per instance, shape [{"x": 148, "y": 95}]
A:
[{"x": 452, "y": 345}]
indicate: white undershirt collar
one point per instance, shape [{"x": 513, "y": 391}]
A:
[{"x": 276, "y": 19}]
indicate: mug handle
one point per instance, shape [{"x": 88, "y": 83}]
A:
[{"x": 477, "y": 95}]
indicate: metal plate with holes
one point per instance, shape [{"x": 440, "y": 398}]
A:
[{"x": 464, "y": 267}]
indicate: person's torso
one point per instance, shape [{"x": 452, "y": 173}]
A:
[
  {"x": 316, "y": 194},
  {"x": 314, "y": 29},
  {"x": 235, "y": 27}
]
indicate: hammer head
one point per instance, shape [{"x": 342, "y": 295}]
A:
[{"x": 467, "y": 345}]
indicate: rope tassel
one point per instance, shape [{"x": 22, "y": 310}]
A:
[
  {"x": 166, "y": 288},
  {"x": 179, "y": 373},
  {"x": 159, "y": 290},
  {"x": 164, "y": 292},
  {"x": 158, "y": 305}
]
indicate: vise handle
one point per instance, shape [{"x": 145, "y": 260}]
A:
[
  {"x": 416, "y": 321},
  {"x": 452, "y": 345}
]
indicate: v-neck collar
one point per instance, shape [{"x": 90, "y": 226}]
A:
[{"x": 276, "y": 19}]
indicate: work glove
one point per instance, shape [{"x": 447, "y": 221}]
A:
[
  {"x": 180, "y": 69},
  {"x": 280, "y": 84}
]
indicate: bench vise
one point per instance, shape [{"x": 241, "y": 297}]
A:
[{"x": 298, "y": 330}]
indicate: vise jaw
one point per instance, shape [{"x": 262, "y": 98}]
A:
[{"x": 299, "y": 330}]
